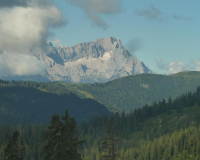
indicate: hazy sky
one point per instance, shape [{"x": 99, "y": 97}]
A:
[{"x": 163, "y": 34}]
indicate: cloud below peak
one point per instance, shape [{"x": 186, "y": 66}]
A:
[
  {"x": 175, "y": 66},
  {"x": 18, "y": 65}
]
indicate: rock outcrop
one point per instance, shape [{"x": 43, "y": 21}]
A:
[{"x": 100, "y": 61}]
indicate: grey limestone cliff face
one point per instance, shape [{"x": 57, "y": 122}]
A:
[{"x": 100, "y": 61}]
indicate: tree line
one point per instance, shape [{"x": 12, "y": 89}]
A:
[
  {"x": 145, "y": 134},
  {"x": 60, "y": 141}
]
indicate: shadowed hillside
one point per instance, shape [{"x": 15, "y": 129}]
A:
[{"x": 24, "y": 105}]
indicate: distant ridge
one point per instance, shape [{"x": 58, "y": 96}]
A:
[{"x": 131, "y": 92}]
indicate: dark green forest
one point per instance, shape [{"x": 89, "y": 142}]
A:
[
  {"x": 31, "y": 102},
  {"x": 167, "y": 129},
  {"x": 132, "y": 92}
]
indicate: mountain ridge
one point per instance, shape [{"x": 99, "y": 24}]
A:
[
  {"x": 25, "y": 102},
  {"x": 131, "y": 92},
  {"x": 102, "y": 60}
]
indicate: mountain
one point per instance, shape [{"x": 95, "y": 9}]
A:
[
  {"x": 100, "y": 61},
  {"x": 131, "y": 92},
  {"x": 34, "y": 103},
  {"x": 163, "y": 131},
  {"x": 128, "y": 93}
]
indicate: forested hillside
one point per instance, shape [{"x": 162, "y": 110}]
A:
[
  {"x": 30, "y": 102},
  {"x": 133, "y": 92},
  {"x": 165, "y": 130},
  {"x": 125, "y": 94}
]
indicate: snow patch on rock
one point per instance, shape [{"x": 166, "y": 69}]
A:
[{"x": 100, "y": 61}]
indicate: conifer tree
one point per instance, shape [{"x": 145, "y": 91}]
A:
[
  {"x": 13, "y": 150},
  {"x": 109, "y": 145},
  {"x": 60, "y": 139}
]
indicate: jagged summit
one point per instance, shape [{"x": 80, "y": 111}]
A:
[
  {"x": 109, "y": 43},
  {"x": 103, "y": 60}
]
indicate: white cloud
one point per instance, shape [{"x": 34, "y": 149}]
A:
[
  {"x": 58, "y": 42},
  {"x": 175, "y": 67},
  {"x": 161, "y": 65},
  {"x": 196, "y": 65},
  {"x": 24, "y": 26},
  {"x": 12, "y": 65}
]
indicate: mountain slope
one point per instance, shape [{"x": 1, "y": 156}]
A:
[
  {"x": 25, "y": 104},
  {"x": 155, "y": 124},
  {"x": 100, "y": 61},
  {"x": 161, "y": 131},
  {"x": 135, "y": 91}
]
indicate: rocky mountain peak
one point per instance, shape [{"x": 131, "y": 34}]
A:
[
  {"x": 109, "y": 43},
  {"x": 50, "y": 44},
  {"x": 103, "y": 60}
]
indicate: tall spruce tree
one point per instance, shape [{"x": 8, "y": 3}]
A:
[
  {"x": 60, "y": 139},
  {"x": 14, "y": 150},
  {"x": 109, "y": 145}
]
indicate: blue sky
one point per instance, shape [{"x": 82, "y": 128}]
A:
[
  {"x": 163, "y": 34},
  {"x": 166, "y": 33}
]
